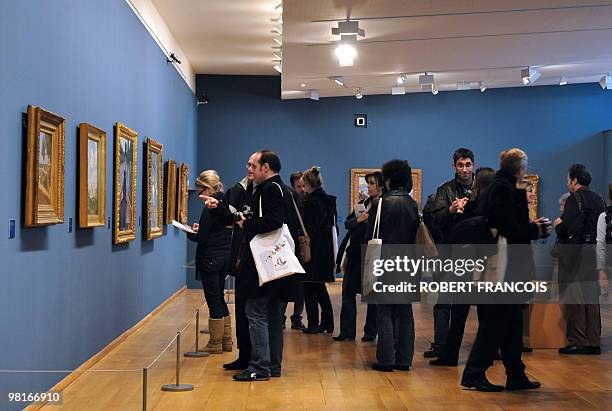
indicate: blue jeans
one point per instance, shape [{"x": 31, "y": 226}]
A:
[
  {"x": 266, "y": 332},
  {"x": 395, "y": 325}
]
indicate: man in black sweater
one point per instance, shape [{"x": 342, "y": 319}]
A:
[{"x": 450, "y": 199}]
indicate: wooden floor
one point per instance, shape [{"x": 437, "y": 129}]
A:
[{"x": 321, "y": 374}]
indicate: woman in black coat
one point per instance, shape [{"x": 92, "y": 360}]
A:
[
  {"x": 319, "y": 219},
  {"x": 212, "y": 263}
]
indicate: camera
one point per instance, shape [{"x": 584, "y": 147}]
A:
[{"x": 246, "y": 212}]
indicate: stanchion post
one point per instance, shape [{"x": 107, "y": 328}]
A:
[
  {"x": 177, "y": 387},
  {"x": 144, "y": 388},
  {"x": 197, "y": 352}
]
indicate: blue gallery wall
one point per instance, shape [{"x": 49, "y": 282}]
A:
[
  {"x": 555, "y": 125},
  {"x": 64, "y": 296}
]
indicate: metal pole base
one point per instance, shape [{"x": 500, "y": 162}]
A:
[
  {"x": 196, "y": 354},
  {"x": 177, "y": 388}
]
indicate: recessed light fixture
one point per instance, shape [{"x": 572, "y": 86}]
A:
[
  {"x": 529, "y": 75},
  {"x": 278, "y": 68},
  {"x": 346, "y": 54},
  {"x": 339, "y": 80},
  {"x": 401, "y": 78},
  {"x": 482, "y": 88},
  {"x": 396, "y": 91},
  {"x": 434, "y": 90},
  {"x": 563, "y": 81},
  {"x": 303, "y": 85},
  {"x": 358, "y": 94}
]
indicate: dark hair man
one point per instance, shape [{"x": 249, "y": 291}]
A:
[{"x": 450, "y": 199}]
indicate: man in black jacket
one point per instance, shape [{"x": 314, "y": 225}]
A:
[
  {"x": 263, "y": 304},
  {"x": 450, "y": 199},
  {"x": 501, "y": 325},
  {"x": 580, "y": 292}
]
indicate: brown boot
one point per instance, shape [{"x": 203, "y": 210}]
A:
[
  {"x": 216, "y": 336},
  {"x": 228, "y": 344}
]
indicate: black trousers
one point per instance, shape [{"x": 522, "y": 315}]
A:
[
  {"x": 212, "y": 272},
  {"x": 298, "y": 307},
  {"x": 315, "y": 294},
  {"x": 441, "y": 314},
  {"x": 458, "y": 316},
  {"x": 348, "y": 313},
  {"x": 243, "y": 338},
  {"x": 501, "y": 326}
]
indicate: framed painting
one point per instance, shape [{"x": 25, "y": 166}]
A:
[
  {"x": 359, "y": 186},
  {"x": 183, "y": 181},
  {"x": 170, "y": 197},
  {"x": 155, "y": 184},
  {"x": 125, "y": 184},
  {"x": 531, "y": 183},
  {"x": 92, "y": 176},
  {"x": 44, "y": 197}
]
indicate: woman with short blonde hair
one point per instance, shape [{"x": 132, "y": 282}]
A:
[{"x": 209, "y": 179}]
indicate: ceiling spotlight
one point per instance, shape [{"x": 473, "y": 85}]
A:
[
  {"x": 348, "y": 28},
  {"x": 396, "y": 91},
  {"x": 563, "y": 81},
  {"x": 529, "y": 75},
  {"x": 401, "y": 78},
  {"x": 434, "y": 90},
  {"x": 278, "y": 68},
  {"x": 358, "y": 94},
  {"x": 314, "y": 95},
  {"x": 482, "y": 88},
  {"x": 345, "y": 53},
  {"x": 339, "y": 80},
  {"x": 606, "y": 82},
  {"x": 303, "y": 85}
]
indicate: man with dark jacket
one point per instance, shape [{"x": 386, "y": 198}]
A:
[
  {"x": 399, "y": 221},
  {"x": 263, "y": 303},
  {"x": 450, "y": 199},
  {"x": 577, "y": 227},
  {"x": 501, "y": 325}
]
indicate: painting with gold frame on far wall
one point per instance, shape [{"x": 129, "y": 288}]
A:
[
  {"x": 359, "y": 186},
  {"x": 44, "y": 198},
  {"x": 92, "y": 176},
  {"x": 170, "y": 192},
  {"x": 183, "y": 181},
  {"x": 155, "y": 184},
  {"x": 532, "y": 180},
  {"x": 126, "y": 141}
]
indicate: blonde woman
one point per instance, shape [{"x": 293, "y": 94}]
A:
[{"x": 212, "y": 262}]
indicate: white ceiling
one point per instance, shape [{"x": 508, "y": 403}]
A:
[{"x": 457, "y": 40}]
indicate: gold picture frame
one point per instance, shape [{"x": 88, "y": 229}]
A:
[
  {"x": 170, "y": 182},
  {"x": 126, "y": 147},
  {"x": 155, "y": 184},
  {"x": 92, "y": 176},
  {"x": 533, "y": 207},
  {"x": 359, "y": 188},
  {"x": 44, "y": 198},
  {"x": 183, "y": 181}
]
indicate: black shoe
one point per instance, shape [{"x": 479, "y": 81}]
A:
[
  {"x": 443, "y": 362},
  {"x": 236, "y": 365},
  {"x": 368, "y": 338},
  {"x": 341, "y": 337},
  {"x": 384, "y": 368},
  {"x": 523, "y": 384},
  {"x": 284, "y": 322},
  {"x": 297, "y": 325},
  {"x": 481, "y": 385},
  {"x": 526, "y": 349},
  {"x": 326, "y": 329},
  {"x": 433, "y": 352},
  {"x": 401, "y": 367},
  {"x": 310, "y": 330},
  {"x": 594, "y": 350},
  {"x": 574, "y": 349},
  {"x": 247, "y": 375},
  {"x": 275, "y": 374}
]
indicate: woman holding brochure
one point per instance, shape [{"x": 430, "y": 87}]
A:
[{"x": 212, "y": 261}]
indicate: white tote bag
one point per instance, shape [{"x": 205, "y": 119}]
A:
[
  {"x": 373, "y": 253},
  {"x": 274, "y": 253}
]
